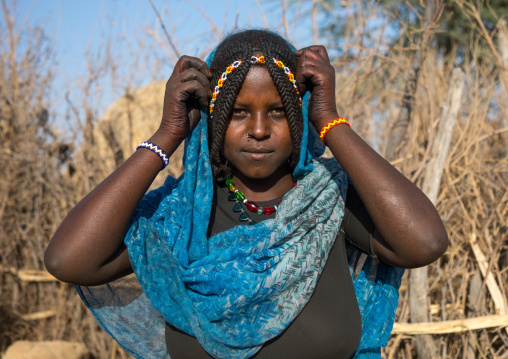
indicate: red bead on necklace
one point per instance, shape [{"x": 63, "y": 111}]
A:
[{"x": 251, "y": 206}]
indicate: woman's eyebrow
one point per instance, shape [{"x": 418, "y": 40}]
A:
[
  {"x": 270, "y": 104},
  {"x": 242, "y": 104},
  {"x": 275, "y": 104}
]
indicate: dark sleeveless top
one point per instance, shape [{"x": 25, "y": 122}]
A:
[{"x": 329, "y": 326}]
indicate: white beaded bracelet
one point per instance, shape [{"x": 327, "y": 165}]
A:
[{"x": 157, "y": 150}]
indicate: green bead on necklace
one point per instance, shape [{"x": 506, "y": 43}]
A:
[{"x": 239, "y": 197}]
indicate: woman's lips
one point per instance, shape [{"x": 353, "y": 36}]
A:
[{"x": 257, "y": 153}]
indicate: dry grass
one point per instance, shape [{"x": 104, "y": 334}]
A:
[
  {"x": 473, "y": 195},
  {"x": 44, "y": 175}
]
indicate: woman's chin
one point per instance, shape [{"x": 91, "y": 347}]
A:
[{"x": 262, "y": 174}]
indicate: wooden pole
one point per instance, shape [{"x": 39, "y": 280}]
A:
[
  {"x": 502, "y": 44},
  {"x": 475, "y": 295},
  {"x": 418, "y": 279},
  {"x": 441, "y": 145}
]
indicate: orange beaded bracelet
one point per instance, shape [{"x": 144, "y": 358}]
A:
[{"x": 329, "y": 126}]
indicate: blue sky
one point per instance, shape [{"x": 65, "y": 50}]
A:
[
  {"x": 75, "y": 25},
  {"x": 85, "y": 32}
]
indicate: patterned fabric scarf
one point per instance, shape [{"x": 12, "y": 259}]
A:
[{"x": 240, "y": 288}]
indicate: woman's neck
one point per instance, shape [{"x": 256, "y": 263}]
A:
[{"x": 264, "y": 189}]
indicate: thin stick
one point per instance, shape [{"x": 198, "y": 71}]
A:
[
  {"x": 39, "y": 315},
  {"x": 177, "y": 53},
  {"x": 207, "y": 18},
  {"x": 492, "y": 285},
  {"x": 284, "y": 19},
  {"x": 265, "y": 19},
  {"x": 30, "y": 275}
]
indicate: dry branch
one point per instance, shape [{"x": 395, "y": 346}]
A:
[
  {"x": 30, "y": 275},
  {"x": 494, "y": 290},
  {"x": 39, "y": 315},
  {"x": 203, "y": 13},
  {"x": 470, "y": 9},
  {"x": 170, "y": 41},
  {"x": 451, "y": 326}
]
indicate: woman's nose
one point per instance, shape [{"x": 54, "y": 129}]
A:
[{"x": 259, "y": 127}]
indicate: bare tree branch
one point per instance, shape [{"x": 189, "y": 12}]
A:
[
  {"x": 284, "y": 19},
  {"x": 175, "y": 50},
  {"x": 265, "y": 20},
  {"x": 472, "y": 10},
  {"x": 207, "y": 18}
]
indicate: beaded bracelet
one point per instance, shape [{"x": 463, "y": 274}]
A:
[
  {"x": 329, "y": 126},
  {"x": 157, "y": 150}
]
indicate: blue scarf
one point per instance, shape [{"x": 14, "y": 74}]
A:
[{"x": 240, "y": 288}]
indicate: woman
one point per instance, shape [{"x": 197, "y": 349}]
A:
[{"x": 246, "y": 253}]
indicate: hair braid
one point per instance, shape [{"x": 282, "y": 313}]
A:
[
  {"x": 225, "y": 101},
  {"x": 290, "y": 98}
]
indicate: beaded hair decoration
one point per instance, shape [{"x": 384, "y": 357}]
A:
[
  {"x": 253, "y": 60},
  {"x": 290, "y": 76}
]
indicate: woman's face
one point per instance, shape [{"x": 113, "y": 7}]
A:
[{"x": 257, "y": 141}]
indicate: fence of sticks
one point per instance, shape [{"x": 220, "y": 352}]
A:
[{"x": 454, "y": 146}]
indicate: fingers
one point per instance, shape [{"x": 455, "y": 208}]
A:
[
  {"x": 187, "y": 90},
  {"x": 314, "y": 50},
  {"x": 194, "y": 89},
  {"x": 193, "y": 74},
  {"x": 313, "y": 67},
  {"x": 191, "y": 77},
  {"x": 313, "y": 72},
  {"x": 199, "y": 83},
  {"x": 316, "y": 75},
  {"x": 185, "y": 62}
]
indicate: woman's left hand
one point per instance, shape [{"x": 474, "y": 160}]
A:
[{"x": 315, "y": 74}]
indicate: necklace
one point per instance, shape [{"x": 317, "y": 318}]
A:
[{"x": 239, "y": 197}]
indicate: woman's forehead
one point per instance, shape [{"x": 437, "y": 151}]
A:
[{"x": 258, "y": 81}]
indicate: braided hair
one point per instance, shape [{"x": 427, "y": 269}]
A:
[{"x": 242, "y": 46}]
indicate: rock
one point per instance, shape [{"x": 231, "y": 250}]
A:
[{"x": 47, "y": 350}]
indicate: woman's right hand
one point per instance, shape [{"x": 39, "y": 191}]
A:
[{"x": 187, "y": 89}]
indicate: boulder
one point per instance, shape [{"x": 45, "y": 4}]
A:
[{"x": 47, "y": 350}]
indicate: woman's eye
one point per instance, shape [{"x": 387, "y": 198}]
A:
[
  {"x": 238, "y": 112},
  {"x": 278, "y": 112}
]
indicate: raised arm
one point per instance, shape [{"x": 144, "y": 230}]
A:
[
  {"x": 87, "y": 248},
  {"x": 409, "y": 232}
]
